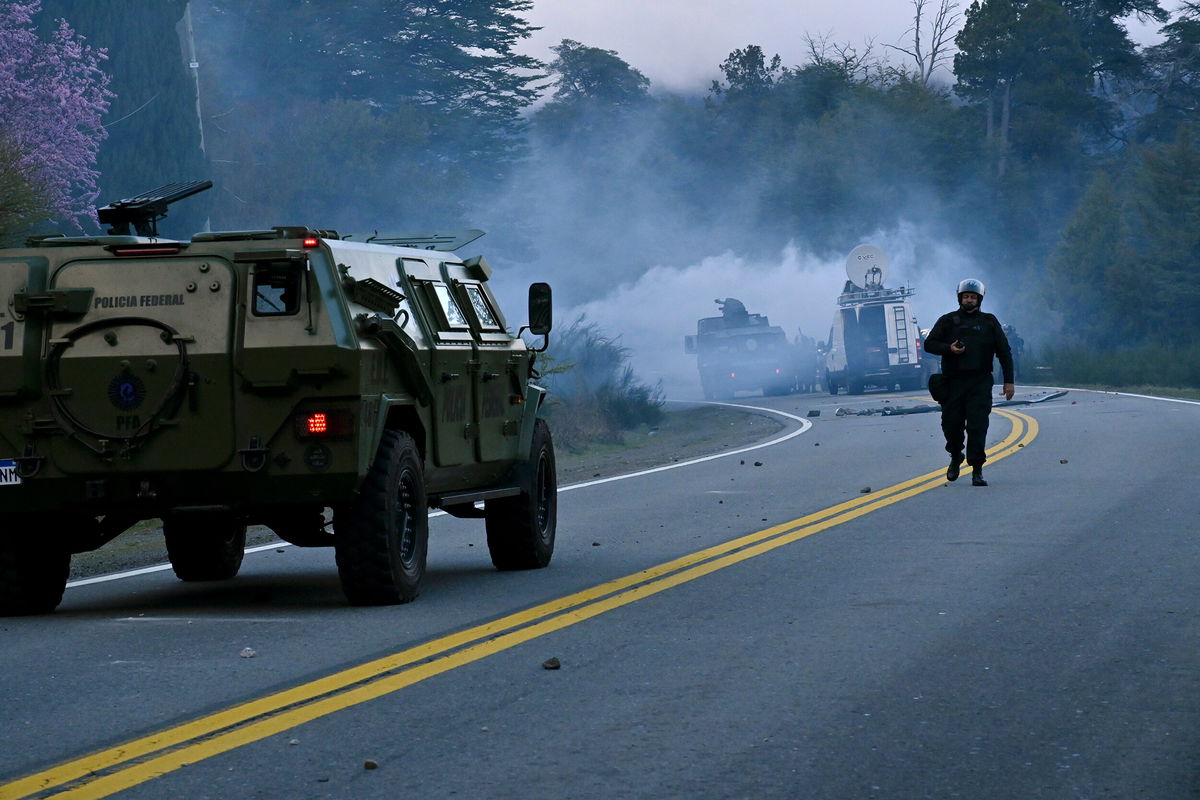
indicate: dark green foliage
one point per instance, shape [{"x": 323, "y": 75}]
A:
[
  {"x": 1174, "y": 82},
  {"x": 1123, "y": 276},
  {"x": 589, "y": 74},
  {"x": 23, "y": 202},
  {"x": 594, "y": 394},
  {"x": 1112, "y": 52},
  {"x": 1023, "y": 64},
  {"x": 1148, "y": 365},
  {"x": 1165, "y": 220},
  {"x": 440, "y": 79},
  {"x": 1088, "y": 277},
  {"x": 592, "y": 88}
]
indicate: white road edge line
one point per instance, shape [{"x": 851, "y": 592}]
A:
[
  {"x": 1143, "y": 396},
  {"x": 804, "y": 426}
]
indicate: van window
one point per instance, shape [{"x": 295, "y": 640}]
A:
[{"x": 276, "y": 290}]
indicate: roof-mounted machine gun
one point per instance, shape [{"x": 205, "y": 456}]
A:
[{"x": 145, "y": 210}]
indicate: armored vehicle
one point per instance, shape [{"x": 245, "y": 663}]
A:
[
  {"x": 874, "y": 339},
  {"x": 262, "y": 377},
  {"x": 741, "y": 351}
]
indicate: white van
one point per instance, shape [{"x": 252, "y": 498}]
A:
[{"x": 874, "y": 339}]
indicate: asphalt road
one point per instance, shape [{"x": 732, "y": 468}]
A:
[{"x": 823, "y": 617}]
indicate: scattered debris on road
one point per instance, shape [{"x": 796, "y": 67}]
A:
[{"x": 924, "y": 408}]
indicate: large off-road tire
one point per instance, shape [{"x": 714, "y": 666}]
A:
[
  {"x": 520, "y": 529},
  {"x": 205, "y": 545},
  {"x": 382, "y": 538},
  {"x": 32, "y": 575}
]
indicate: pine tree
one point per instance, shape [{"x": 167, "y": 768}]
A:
[{"x": 1166, "y": 231}]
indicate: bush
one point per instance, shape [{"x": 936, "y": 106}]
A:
[
  {"x": 594, "y": 394},
  {"x": 1124, "y": 367}
]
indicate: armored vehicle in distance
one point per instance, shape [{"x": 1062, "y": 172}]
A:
[
  {"x": 262, "y": 377},
  {"x": 739, "y": 351}
]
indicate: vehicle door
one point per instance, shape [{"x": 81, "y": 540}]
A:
[
  {"x": 145, "y": 372},
  {"x": 873, "y": 342},
  {"x": 901, "y": 334},
  {"x": 452, "y": 366},
  {"x": 503, "y": 367}
]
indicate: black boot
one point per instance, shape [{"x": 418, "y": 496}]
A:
[
  {"x": 977, "y": 477},
  {"x": 952, "y": 471}
]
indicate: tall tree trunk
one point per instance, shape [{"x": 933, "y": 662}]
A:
[{"x": 1005, "y": 118}]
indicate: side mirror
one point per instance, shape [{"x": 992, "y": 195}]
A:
[
  {"x": 541, "y": 314},
  {"x": 689, "y": 344},
  {"x": 541, "y": 311}
]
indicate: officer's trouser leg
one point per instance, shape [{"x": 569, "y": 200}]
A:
[
  {"x": 954, "y": 417},
  {"x": 978, "y": 409}
]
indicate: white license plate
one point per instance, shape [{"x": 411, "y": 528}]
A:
[{"x": 8, "y": 472}]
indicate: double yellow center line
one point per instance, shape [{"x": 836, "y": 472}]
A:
[{"x": 109, "y": 771}]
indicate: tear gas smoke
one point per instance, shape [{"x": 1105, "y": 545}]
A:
[{"x": 797, "y": 291}]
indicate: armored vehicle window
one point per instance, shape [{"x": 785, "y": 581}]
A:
[
  {"x": 454, "y": 314},
  {"x": 483, "y": 312},
  {"x": 276, "y": 290}
]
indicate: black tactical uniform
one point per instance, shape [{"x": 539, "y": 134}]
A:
[{"x": 968, "y": 379}]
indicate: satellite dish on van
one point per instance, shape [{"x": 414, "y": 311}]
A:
[{"x": 867, "y": 266}]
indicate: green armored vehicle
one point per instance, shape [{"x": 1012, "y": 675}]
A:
[
  {"x": 262, "y": 377},
  {"x": 739, "y": 351}
]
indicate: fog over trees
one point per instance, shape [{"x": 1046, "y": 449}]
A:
[{"x": 1062, "y": 159}]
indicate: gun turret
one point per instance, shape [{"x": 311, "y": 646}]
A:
[{"x": 145, "y": 210}]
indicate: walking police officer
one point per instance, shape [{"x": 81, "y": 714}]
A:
[{"x": 967, "y": 340}]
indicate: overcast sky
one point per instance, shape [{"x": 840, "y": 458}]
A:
[{"x": 679, "y": 44}]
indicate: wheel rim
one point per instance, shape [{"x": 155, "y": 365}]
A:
[
  {"x": 405, "y": 524},
  {"x": 544, "y": 494}
]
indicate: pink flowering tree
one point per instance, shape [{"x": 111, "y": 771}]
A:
[{"x": 52, "y": 97}]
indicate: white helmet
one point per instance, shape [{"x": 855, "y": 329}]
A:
[{"x": 970, "y": 285}]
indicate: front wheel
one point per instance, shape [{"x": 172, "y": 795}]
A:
[
  {"x": 520, "y": 529},
  {"x": 381, "y": 539},
  {"x": 33, "y": 576},
  {"x": 205, "y": 546}
]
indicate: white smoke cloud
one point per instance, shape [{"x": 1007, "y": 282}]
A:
[{"x": 798, "y": 292}]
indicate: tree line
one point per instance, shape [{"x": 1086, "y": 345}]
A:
[{"x": 1035, "y": 133}]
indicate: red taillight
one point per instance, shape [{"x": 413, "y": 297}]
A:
[
  {"x": 333, "y": 423},
  {"x": 311, "y": 241},
  {"x": 777, "y": 371}
]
